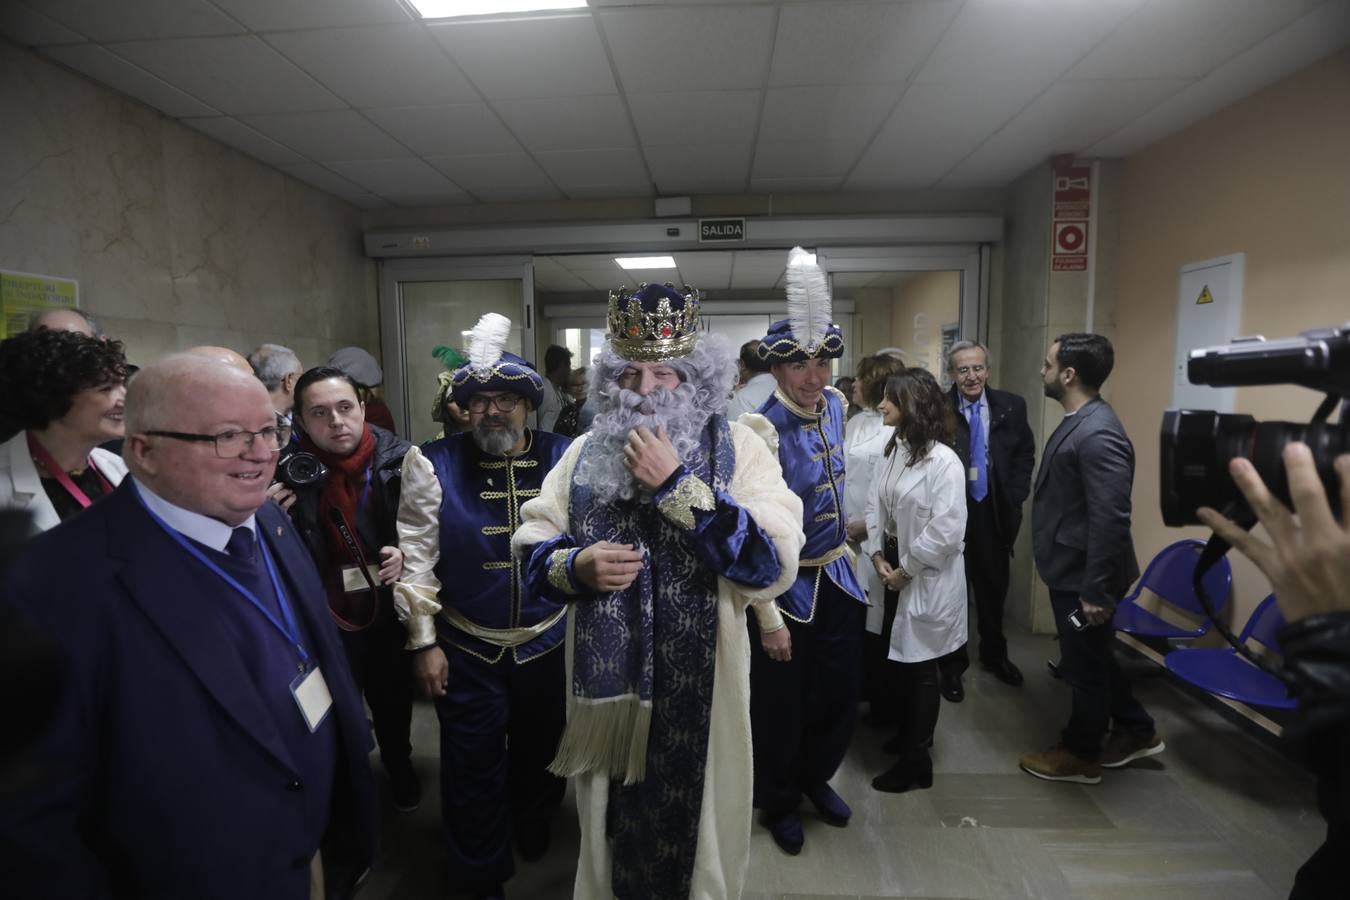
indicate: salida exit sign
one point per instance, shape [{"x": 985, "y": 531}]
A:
[{"x": 715, "y": 230}]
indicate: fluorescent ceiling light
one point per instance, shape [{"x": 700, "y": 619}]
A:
[
  {"x": 450, "y": 9},
  {"x": 646, "y": 262}
]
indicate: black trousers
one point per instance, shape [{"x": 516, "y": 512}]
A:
[
  {"x": 912, "y": 698},
  {"x": 500, "y": 726},
  {"x": 802, "y": 712},
  {"x": 987, "y": 574},
  {"x": 1102, "y": 697},
  {"x": 382, "y": 670}
]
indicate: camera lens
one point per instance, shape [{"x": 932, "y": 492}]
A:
[
  {"x": 300, "y": 468},
  {"x": 1197, "y": 446}
]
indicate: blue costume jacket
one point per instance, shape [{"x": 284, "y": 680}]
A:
[
  {"x": 811, "y": 452},
  {"x": 481, "y": 497}
]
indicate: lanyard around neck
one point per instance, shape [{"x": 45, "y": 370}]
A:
[
  {"x": 54, "y": 469},
  {"x": 289, "y": 630}
]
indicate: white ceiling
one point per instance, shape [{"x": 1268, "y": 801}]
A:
[
  {"x": 707, "y": 270},
  {"x": 648, "y": 97}
]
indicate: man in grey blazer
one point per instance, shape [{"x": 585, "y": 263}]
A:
[{"x": 1080, "y": 526}]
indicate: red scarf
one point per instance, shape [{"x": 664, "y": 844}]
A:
[{"x": 348, "y": 477}]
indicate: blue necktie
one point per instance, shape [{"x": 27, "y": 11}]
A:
[
  {"x": 979, "y": 488},
  {"x": 240, "y": 545}
]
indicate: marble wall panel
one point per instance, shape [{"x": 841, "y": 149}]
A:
[{"x": 176, "y": 240}]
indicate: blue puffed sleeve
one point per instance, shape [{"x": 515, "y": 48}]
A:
[
  {"x": 551, "y": 571},
  {"x": 721, "y": 533}
]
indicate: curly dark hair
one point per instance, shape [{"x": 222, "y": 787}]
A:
[
  {"x": 925, "y": 417},
  {"x": 42, "y": 371},
  {"x": 873, "y": 371}
]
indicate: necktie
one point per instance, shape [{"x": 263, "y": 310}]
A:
[
  {"x": 240, "y": 545},
  {"x": 979, "y": 487}
]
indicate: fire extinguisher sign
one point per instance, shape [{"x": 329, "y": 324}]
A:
[{"x": 1073, "y": 194}]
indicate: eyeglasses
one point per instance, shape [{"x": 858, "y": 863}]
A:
[
  {"x": 503, "y": 402},
  {"x": 230, "y": 444},
  {"x": 967, "y": 370},
  {"x": 284, "y": 429}
]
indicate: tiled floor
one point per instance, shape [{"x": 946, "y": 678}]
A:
[{"x": 1219, "y": 815}]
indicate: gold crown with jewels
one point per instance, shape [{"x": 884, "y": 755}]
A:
[{"x": 654, "y": 322}]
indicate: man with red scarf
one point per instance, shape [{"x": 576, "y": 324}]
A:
[{"x": 348, "y": 519}]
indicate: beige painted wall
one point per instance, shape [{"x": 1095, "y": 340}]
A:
[
  {"x": 934, "y": 298},
  {"x": 1270, "y": 177},
  {"x": 175, "y": 239}
]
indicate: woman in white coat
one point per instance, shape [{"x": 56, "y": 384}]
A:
[
  {"x": 865, "y": 438},
  {"x": 916, "y": 523},
  {"x": 64, "y": 390}
]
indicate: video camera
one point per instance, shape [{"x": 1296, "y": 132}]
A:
[{"x": 1197, "y": 445}]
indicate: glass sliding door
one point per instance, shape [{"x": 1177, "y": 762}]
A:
[{"x": 425, "y": 304}]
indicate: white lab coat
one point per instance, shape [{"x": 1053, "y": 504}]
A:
[
  {"x": 865, "y": 438},
  {"x": 924, "y": 507}
]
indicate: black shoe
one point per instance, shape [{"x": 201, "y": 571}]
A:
[
  {"x": 786, "y": 831},
  {"x": 404, "y": 789},
  {"x": 906, "y": 775},
  {"x": 532, "y": 840},
  {"x": 952, "y": 688},
  {"x": 1004, "y": 671}
]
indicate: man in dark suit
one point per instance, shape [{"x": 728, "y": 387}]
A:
[
  {"x": 209, "y": 742},
  {"x": 993, "y": 424},
  {"x": 1080, "y": 525}
]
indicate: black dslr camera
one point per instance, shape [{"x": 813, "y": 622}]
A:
[
  {"x": 1197, "y": 445},
  {"x": 298, "y": 469}
]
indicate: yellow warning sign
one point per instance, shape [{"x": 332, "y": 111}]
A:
[{"x": 1205, "y": 296}]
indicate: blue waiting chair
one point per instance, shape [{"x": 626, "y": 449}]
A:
[
  {"x": 1169, "y": 575},
  {"x": 1220, "y": 670}
]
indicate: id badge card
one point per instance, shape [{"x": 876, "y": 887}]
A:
[
  {"x": 353, "y": 580},
  {"x": 312, "y": 696}
]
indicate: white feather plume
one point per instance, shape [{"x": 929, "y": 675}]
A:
[
  {"x": 808, "y": 298},
  {"x": 487, "y": 340}
]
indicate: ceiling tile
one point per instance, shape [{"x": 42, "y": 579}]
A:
[
  {"x": 548, "y": 56},
  {"x": 498, "y": 178},
  {"x": 856, "y": 43},
  {"x": 393, "y": 178},
  {"x": 236, "y": 75},
  {"x": 120, "y": 75},
  {"x": 241, "y": 137},
  {"x": 328, "y": 136},
  {"x": 706, "y": 271},
  {"x": 721, "y": 118},
  {"x": 841, "y": 113},
  {"x": 713, "y": 48},
  {"x": 1312, "y": 37},
  {"x": 459, "y": 130},
  {"x": 322, "y": 178},
  {"x": 387, "y": 65},
  {"x": 27, "y": 28},
  {"x": 995, "y": 40},
  {"x": 597, "y": 173},
  {"x": 569, "y": 123},
  {"x": 922, "y": 140},
  {"x": 1067, "y": 118},
  {"x": 698, "y": 169},
  {"x": 275, "y": 15},
  {"x": 558, "y": 281},
  {"x": 1167, "y": 39},
  {"x": 426, "y": 199},
  {"x": 128, "y": 20},
  {"x": 366, "y": 201},
  {"x": 795, "y": 185},
  {"x": 804, "y": 159}
]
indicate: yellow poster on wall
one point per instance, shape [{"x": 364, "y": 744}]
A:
[{"x": 23, "y": 293}]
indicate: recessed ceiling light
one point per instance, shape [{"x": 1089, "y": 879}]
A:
[
  {"x": 646, "y": 262},
  {"x": 451, "y": 9}
]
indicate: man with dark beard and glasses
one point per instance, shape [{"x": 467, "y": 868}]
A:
[
  {"x": 484, "y": 645},
  {"x": 660, "y": 526}
]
